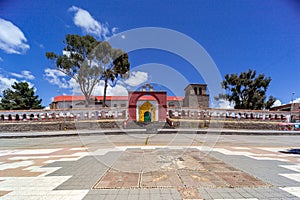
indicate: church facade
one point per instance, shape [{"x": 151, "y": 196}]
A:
[{"x": 145, "y": 105}]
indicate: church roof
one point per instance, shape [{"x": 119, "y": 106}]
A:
[{"x": 110, "y": 98}]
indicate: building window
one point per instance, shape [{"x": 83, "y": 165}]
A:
[
  {"x": 200, "y": 91},
  {"x": 195, "y": 89},
  {"x": 171, "y": 104},
  {"x": 123, "y": 105}
]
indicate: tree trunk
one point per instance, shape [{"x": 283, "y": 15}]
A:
[
  {"x": 87, "y": 100},
  {"x": 104, "y": 95}
]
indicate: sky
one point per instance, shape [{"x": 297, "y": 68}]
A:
[{"x": 236, "y": 35}]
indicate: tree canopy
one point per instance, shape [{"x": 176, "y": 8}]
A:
[
  {"x": 247, "y": 90},
  {"x": 20, "y": 97},
  {"x": 89, "y": 61}
]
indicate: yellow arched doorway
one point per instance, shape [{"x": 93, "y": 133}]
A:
[{"x": 147, "y": 112}]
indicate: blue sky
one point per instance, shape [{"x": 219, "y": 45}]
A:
[{"x": 238, "y": 35}]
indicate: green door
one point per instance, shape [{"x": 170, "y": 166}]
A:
[{"x": 147, "y": 116}]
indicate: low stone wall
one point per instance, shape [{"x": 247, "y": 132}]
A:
[
  {"x": 25, "y": 127},
  {"x": 57, "y": 126},
  {"x": 253, "y": 125},
  {"x": 114, "y": 124}
]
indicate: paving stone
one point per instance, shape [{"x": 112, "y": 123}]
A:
[
  {"x": 118, "y": 197},
  {"x": 155, "y": 196},
  {"x": 144, "y": 196},
  {"x": 215, "y": 195},
  {"x": 240, "y": 179},
  {"x": 189, "y": 193},
  {"x": 115, "y": 179},
  {"x": 226, "y": 195},
  {"x": 193, "y": 173},
  {"x": 160, "y": 179},
  {"x": 94, "y": 197},
  {"x": 268, "y": 170},
  {"x": 124, "y": 192},
  {"x": 134, "y": 192},
  {"x": 176, "y": 196}
]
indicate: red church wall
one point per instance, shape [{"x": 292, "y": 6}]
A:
[{"x": 161, "y": 98}]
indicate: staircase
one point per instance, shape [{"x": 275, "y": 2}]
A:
[{"x": 150, "y": 126}]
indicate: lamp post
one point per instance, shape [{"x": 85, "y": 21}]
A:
[{"x": 292, "y": 102}]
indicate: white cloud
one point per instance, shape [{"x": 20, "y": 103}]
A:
[
  {"x": 118, "y": 90},
  {"x": 74, "y": 86},
  {"x": 136, "y": 78},
  {"x": 6, "y": 82},
  {"x": 88, "y": 24},
  {"x": 24, "y": 74},
  {"x": 225, "y": 104},
  {"x": 12, "y": 39},
  {"x": 56, "y": 77},
  {"x": 297, "y": 100},
  {"x": 277, "y": 103}
]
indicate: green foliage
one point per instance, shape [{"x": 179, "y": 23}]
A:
[
  {"x": 247, "y": 90},
  {"x": 89, "y": 61},
  {"x": 21, "y": 97}
]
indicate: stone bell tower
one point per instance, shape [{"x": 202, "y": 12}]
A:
[{"x": 196, "y": 96}]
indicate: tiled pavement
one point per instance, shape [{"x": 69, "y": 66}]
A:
[{"x": 149, "y": 172}]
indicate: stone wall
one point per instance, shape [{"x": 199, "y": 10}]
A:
[
  {"x": 183, "y": 117},
  {"x": 94, "y": 125},
  {"x": 226, "y": 124},
  {"x": 57, "y": 126},
  {"x": 196, "y": 101},
  {"x": 25, "y": 127}
]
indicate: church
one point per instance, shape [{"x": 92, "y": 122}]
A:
[{"x": 146, "y": 105}]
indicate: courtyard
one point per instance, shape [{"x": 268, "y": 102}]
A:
[{"x": 168, "y": 166}]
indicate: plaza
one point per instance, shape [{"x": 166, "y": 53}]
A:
[
  {"x": 149, "y": 100},
  {"x": 167, "y": 166}
]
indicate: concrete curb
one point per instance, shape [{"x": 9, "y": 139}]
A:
[
  {"x": 67, "y": 133},
  {"x": 144, "y": 131},
  {"x": 229, "y": 131}
]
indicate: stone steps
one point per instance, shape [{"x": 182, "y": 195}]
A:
[{"x": 150, "y": 126}]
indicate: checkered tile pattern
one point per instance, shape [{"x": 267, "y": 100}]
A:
[{"x": 71, "y": 173}]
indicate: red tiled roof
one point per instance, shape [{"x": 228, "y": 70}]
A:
[{"x": 109, "y": 98}]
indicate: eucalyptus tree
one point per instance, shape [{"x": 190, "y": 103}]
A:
[{"x": 89, "y": 61}]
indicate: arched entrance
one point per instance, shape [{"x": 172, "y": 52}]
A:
[{"x": 160, "y": 97}]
